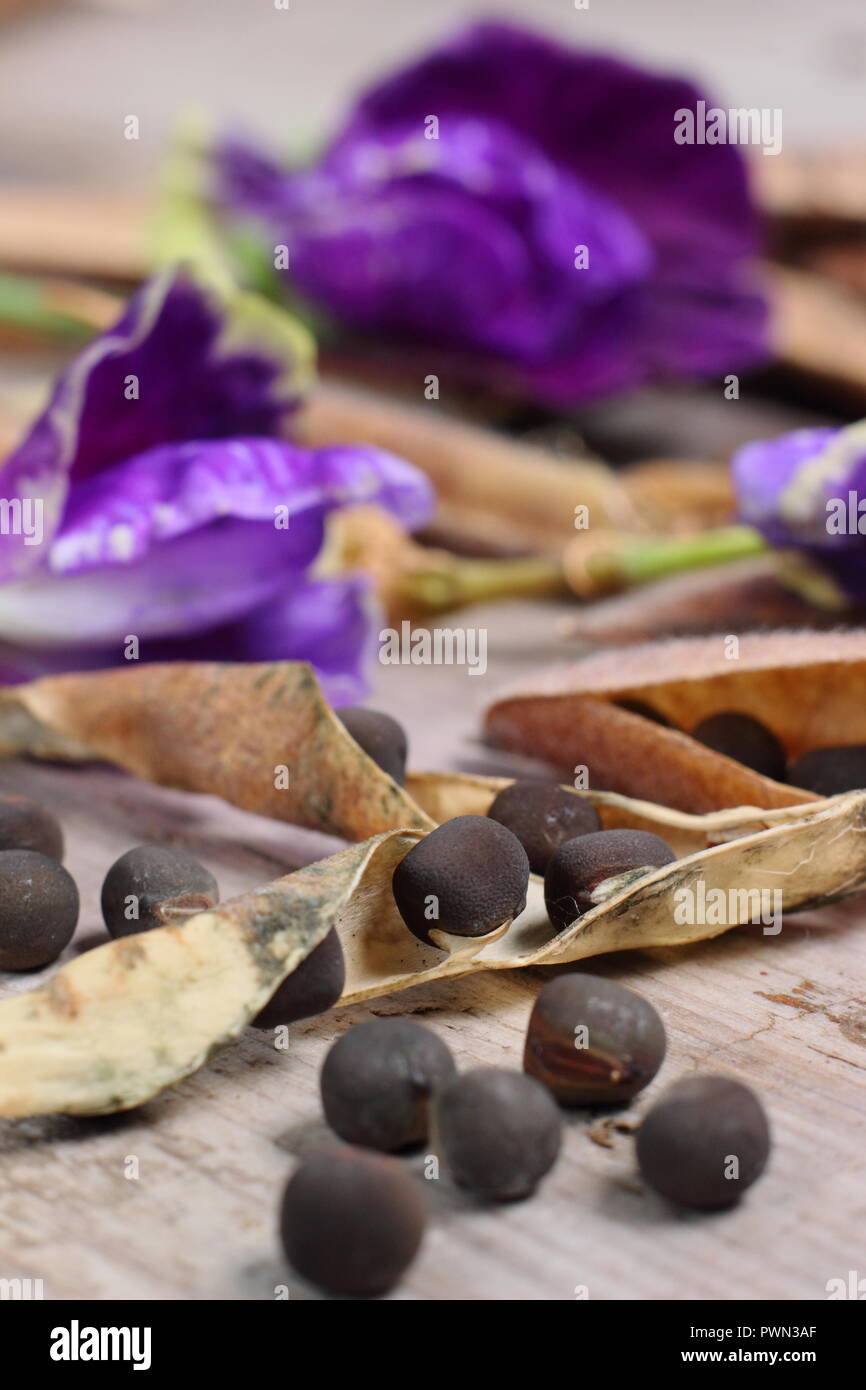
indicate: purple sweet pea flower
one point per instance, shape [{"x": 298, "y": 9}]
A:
[
  {"x": 449, "y": 211},
  {"x": 169, "y": 510},
  {"x": 806, "y": 491}
]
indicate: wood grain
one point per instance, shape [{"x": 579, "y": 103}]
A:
[{"x": 786, "y": 1014}]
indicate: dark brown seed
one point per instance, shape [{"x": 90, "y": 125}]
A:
[
  {"x": 352, "y": 1221},
  {"x": 38, "y": 909},
  {"x": 591, "y": 1041},
  {"x": 312, "y": 989},
  {"x": 466, "y": 877},
  {"x": 543, "y": 815},
  {"x": 499, "y": 1132},
  {"x": 153, "y": 886},
  {"x": 744, "y": 739},
  {"x": 829, "y": 771},
  {"x": 381, "y": 737},
  {"x": 26, "y": 825},
  {"x": 645, "y": 711},
  {"x": 704, "y": 1142},
  {"x": 378, "y": 1080},
  {"x": 580, "y": 866}
]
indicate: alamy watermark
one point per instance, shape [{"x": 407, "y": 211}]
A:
[
  {"x": 728, "y": 907},
  {"x": 438, "y": 646},
  {"x": 23, "y": 516},
  {"x": 713, "y": 125}
]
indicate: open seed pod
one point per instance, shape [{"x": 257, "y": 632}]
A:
[
  {"x": 123, "y": 1021},
  {"x": 808, "y": 687},
  {"x": 262, "y": 737}
]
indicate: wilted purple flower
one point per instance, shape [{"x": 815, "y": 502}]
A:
[
  {"x": 153, "y": 499},
  {"x": 806, "y": 491},
  {"x": 525, "y": 208}
]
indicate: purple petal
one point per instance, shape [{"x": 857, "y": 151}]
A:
[
  {"x": 328, "y": 623},
  {"x": 163, "y": 373},
  {"x": 166, "y": 492},
  {"x": 466, "y": 242}
]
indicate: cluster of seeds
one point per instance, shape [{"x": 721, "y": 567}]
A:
[
  {"x": 825, "y": 771},
  {"x": 353, "y": 1217},
  {"x": 348, "y": 1221}
]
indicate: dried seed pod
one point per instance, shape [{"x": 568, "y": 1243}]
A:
[
  {"x": 313, "y": 988},
  {"x": 591, "y": 1041},
  {"x": 499, "y": 1132},
  {"x": 352, "y": 1221},
  {"x": 466, "y": 878},
  {"x": 543, "y": 815},
  {"x": 645, "y": 711},
  {"x": 744, "y": 739},
  {"x": 153, "y": 886},
  {"x": 378, "y": 1081},
  {"x": 579, "y": 868},
  {"x": 38, "y": 909},
  {"x": 381, "y": 737},
  {"x": 704, "y": 1142},
  {"x": 829, "y": 771},
  {"x": 26, "y": 825}
]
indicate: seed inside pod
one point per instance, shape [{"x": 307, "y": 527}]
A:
[
  {"x": 378, "y": 1080},
  {"x": 153, "y": 886},
  {"x": 645, "y": 711},
  {"x": 26, "y": 825},
  {"x": 744, "y": 739},
  {"x": 543, "y": 815},
  {"x": 704, "y": 1142},
  {"x": 580, "y": 867},
  {"x": 829, "y": 771},
  {"x": 313, "y": 988},
  {"x": 352, "y": 1221},
  {"x": 38, "y": 909},
  {"x": 591, "y": 1041},
  {"x": 499, "y": 1132},
  {"x": 381, "y": 737},
  {"x": 466, "y": 877}
]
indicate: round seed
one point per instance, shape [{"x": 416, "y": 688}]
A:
[
  {"x": 352, "y": 1221},
  {"x": 591, "y": 1041},
  {"x": 704, "y": 1142},
  {"x": 38, "y": 909},
  {"x": 312, "y": 989},
  {"x": 829, "y": 771},
  {"x": 466, "y": 877},
  {"x": 543, "y": 815},
  {"x": 580, "y": 866},
  {"x": 499, "y": 1132},
  {"x": 152, "y": 886},
  {"x": 378, "y": 1080},
  {"x": 744, "y": 739},
  {"x": 26, "y": 825},
  {"x": 381, "y": 737}
]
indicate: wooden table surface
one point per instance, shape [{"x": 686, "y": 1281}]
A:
[{"x": 786, "y": 1014}]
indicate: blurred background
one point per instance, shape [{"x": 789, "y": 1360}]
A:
[{"x": 70, "y": 71}]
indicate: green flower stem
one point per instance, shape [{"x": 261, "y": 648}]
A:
[
  {"x": 640, "y": 562},
  {"x": 458, "y": 582}
]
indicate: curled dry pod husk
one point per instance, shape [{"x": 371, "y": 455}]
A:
[
  {"x": 808, "y": 687},
  {"x": 218, "y": 728},
  {"x": 123, "y": 1021}
]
